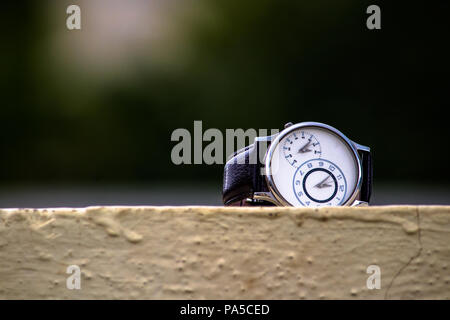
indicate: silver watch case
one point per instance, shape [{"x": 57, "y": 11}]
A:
[{"x": 276, "y": 198}]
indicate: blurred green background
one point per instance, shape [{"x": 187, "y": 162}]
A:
[{"x": 97, "y": 106}]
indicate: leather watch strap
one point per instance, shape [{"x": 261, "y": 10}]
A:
[
  {"x": 242, "y": 176},
  {"x": 367, "y": 173}
]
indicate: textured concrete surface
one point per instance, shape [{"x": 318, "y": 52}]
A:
[{"x": 225, "y": 253}]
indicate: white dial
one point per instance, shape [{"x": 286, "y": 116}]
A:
[{"x": 325, "y": 175}]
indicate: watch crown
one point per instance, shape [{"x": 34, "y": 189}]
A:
[{"x": 288, "y": 125}]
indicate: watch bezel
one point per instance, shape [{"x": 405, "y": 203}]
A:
[{"x": 268, "y": 159}]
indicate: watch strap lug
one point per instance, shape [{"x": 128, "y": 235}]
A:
[
  {"x": 360, "y": 147},
  {"x": 359, "y": 203}
]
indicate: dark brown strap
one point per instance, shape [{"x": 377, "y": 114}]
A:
[
  {"x": 367, "y": 175},
  {"x": 242, "y": 176}
]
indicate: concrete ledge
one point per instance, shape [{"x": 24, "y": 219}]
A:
[{"x": 225, "y": 253}]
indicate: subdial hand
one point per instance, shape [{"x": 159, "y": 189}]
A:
[
  {"x": 305, "y": 149},
  {"x": 323, "y": 184}
]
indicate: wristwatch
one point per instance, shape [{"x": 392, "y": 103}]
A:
[{"x": 308, "y": 164}]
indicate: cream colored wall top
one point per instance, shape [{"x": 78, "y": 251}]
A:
[{"x": 225, "y": 253}]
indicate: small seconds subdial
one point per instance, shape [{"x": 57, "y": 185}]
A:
[{"x": 301, "y": 146}]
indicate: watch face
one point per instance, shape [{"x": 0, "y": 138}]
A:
[{"x": 312, "y": 165}]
